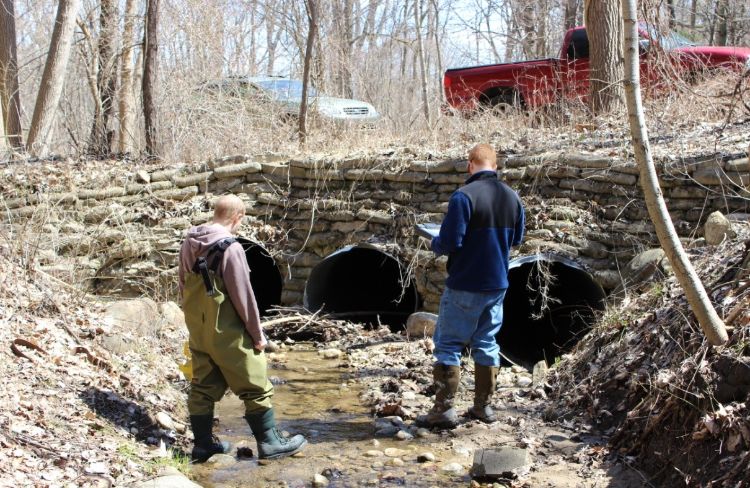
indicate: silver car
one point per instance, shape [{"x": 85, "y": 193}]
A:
[{"x": 285, "y": 95}]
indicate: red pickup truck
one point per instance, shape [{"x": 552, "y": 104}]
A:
[{"x": 532, "y": 84}]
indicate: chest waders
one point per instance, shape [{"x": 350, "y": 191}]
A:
[
  {"x": 223, "y": 356},
  {"x": 221, "y": 349}
]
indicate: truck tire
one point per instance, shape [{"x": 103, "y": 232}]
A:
[{"x": 502, "y": 102}]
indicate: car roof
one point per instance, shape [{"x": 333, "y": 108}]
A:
[{"x": 256, "y": 79}]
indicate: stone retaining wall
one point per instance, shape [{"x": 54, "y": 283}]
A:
[{"x": 122, "y": 230}]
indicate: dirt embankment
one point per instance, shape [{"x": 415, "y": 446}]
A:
[
  {"x": 673, "y": 405},
  {"x": 72, "y": 413}
]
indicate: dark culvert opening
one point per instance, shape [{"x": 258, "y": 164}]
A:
[
  {"x": 362, "y": 284},
  {"x": 551, "y": 303},
  {"x": 265, "y": 276}
]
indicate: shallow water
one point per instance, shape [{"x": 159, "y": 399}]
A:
[{"x": 316, "y": 399}]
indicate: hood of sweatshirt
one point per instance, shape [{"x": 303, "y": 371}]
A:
[{"x": 199, "y": 239}]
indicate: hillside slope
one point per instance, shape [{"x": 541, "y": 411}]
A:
[{"x": 674, "y": 406}]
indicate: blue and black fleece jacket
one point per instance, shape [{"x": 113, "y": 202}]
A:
[{"x": 485, "y": 219}]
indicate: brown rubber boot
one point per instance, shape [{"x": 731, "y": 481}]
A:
[
  {"x": 485, "y": 381},
  {"x": 443, "y": 415}
]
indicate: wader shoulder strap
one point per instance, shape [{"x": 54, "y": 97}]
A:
[{"x": 211, "y": 262}]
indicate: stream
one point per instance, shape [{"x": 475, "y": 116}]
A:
[{"x": 315, "y": 397}]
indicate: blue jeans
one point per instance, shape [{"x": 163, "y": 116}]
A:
[{"x": 468, "y": 318}]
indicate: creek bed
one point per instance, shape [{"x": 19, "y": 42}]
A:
[{"x": 314, "y": 397}]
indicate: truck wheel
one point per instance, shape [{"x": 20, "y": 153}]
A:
[{"x": 504, "y": 103}]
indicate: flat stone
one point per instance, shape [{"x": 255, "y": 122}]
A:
[
  {"x": 142, "y": 176},
  {"x": 221, "y": 460},
  {"x": 395, "y": 452},
  {"x": 374, "y": 453},
  {"x": 330, "y": 353},
  {"x": 453, "y": 468},
  {"x": 498, "y": 463}
]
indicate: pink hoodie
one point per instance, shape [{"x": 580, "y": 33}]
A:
[{"x": 234, "y": 271}]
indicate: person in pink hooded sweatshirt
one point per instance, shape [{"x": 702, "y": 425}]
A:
[{"x": 226, "y": 338}]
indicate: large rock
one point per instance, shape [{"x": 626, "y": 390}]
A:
[
  {"x": 499, "y": 463},
  {"x": 421, "y": 324},
  {"x": 642, "y": 268},
  {"x": 717, "y": 229},
  {"x": 171, "y": 315},
  {"x": 138, "y": 316}
]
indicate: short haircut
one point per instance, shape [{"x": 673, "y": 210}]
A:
[
  {"x": 483, "y": 154},
  {"x": 227, "y": 206}
]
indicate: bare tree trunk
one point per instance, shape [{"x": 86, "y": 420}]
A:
[
  {"x": 671, "y": 12},
  {"x": 528, "y": 27},
  {"x": 604, "y": 28},
  {"x": 53, "y": 77},
  {"x": 100, "y": 141},
  {"x": 3, "y": 136},
  {"x": 346, "y": 40},
  {"x": 149, "y": 77},
  {"x": 420, "y": 60},
  {"x": 272, "y": 38},
  {"x": 10, "y": 98},
  {"x": 438, "y": 51},
  {"x": 126, "y": 108},
  {"x": 696, "y": 295},
  {"x": 722, "y": 21},
  {"x": 312, "y": 22},
  {"x": 571, "y": 13},
  {"x": 693, "y": 9}
]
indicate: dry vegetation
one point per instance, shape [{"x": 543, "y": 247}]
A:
[
  {"x": 72, "y": 413},
  {"x": 368, "y": 53},
  {"x": 672, "y": 405}
]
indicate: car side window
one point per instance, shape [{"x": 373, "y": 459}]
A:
[{"x": 579, "y": 45}]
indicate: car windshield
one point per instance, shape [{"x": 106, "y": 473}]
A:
[
  {"x": 286, "y": 89},
  {"x": 668, "y": 40}
]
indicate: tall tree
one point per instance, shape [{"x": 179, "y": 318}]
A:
[
  {"x": 421, "y": 60},
  {"x": 100, "y": 140},
  {"x": 126, "y": 98},
  {"x": 151, "y": 48},
  {"x": 696, "y": 294},
  {"x": 10, "y": 99},
  {"x": 312, "y": 34},
  {"x": 53, "y": 77},
  {"x": 604, "y": 28}
]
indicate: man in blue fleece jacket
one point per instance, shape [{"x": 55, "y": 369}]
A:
[{"x": 485, "y": 218}]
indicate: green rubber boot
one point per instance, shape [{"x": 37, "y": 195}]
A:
[
  {"x": 442, "y": 415},
  {"x": 485, "y": 382},
  {"x": 205, "y": 444},
  {"x": 272, "y": 444}
]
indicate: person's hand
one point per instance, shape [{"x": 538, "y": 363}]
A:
[{"x": 260, "y": 346}]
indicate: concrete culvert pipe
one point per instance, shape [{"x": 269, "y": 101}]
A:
[
  {"x": 265, "y": 276},
  {"x": 550, "y": 304},
  {"x": 362, "y": 284}
]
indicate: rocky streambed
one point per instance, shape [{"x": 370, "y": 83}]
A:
[{"x": 355, "y": 402}]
